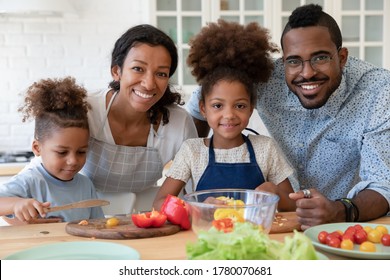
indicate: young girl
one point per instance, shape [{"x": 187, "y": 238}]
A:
[
  {"x": 228, "y": 59},
  {"x": 60, "y": 146}
]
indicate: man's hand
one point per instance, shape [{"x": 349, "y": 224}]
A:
[{"x": 317, "y": 209}]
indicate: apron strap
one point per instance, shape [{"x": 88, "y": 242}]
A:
[
  {"x": 211, "y": 151},
  {"x": 150, "y": 141},
  {"x": 250, "y": 149},
  {"x": 107, "y": 111},
  {"x": 252, "y": 155}
]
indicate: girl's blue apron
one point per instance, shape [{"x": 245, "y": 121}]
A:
[{"x": 246, "y": 175}]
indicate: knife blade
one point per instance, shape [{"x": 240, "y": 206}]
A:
[{"x": 80, "y": 204}]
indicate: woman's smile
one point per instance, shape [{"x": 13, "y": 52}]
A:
[{"x": 144, "y": 95}]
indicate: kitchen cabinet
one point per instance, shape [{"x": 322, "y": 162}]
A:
[{"x": 362, "y": 22}]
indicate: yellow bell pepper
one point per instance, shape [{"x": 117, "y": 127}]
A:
[{"x": 237, "y": 215}]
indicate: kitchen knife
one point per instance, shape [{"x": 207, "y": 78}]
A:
[{"x": 80, "y": 204}]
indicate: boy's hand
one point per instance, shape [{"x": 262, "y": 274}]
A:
[{"x": 28, "y": 209}]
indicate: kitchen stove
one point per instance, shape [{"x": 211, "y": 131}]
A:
[{"x": 15, "y": 157}]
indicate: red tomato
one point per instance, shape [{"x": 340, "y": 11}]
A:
[
  {"x": 385, "y": 240},
  {"x": 357, "y": 226},
  {"x": 360, "y": 236},
  {"x": 334, "y": 242},
  {"x": 225, "y": 225},
  {"x": 348, "y": 236},
  {"x": 350, "y": 230},
  {"x": 337, "y": 234},
  {"x": 322, "y": 236}
]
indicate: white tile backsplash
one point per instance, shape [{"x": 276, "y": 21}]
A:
[{"x": 41, "y": 47}]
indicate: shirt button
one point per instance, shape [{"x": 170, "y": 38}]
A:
[
  {"x": 300, "y": 145},
  {"x": 300, "y": 166}
]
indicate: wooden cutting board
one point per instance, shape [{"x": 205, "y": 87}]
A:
[
  {"x": 285, "y": 222},
  {"x": 97, "y": 228}
]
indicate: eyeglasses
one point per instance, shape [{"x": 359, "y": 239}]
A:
[{"x": 319, "y": 63}]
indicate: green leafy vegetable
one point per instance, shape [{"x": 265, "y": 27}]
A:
[{"x": 246, "y": 242}]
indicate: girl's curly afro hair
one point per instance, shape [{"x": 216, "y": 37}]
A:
[{"x": 232, "y": 45}]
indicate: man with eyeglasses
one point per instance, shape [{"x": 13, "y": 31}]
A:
[{"x": 330, "y": 114}]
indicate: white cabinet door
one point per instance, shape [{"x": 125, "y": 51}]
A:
[{"x": 362, "y": 23}]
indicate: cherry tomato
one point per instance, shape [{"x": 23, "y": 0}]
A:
[
  {"x": 346, "y": 244},
  {"x": 382, "y": 229},
  {"x": 337, "y": 233},
  {"x": 322, "y": 236},
  {"x": 348, "y": 236},
  {"x": 374, "y": 236},
  {"x": 385, "y": 240},
  {"x": 334, "y": 242},
  {"x": 360, "y": 236},
  {"x": 329, "y": 237},
  {"x": 367, "y": 246},
  {"x": 357, "y": 226},
  {"x": 350, "y": 230},
  {"x": 367, "y": 229},
  {"x": 111, "y": 222}
]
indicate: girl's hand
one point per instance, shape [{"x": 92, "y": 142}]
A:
[
  {"x": 268, "y": 187},
  {"x": 213, "y": 200}
]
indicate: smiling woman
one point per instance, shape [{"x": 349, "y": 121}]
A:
[{"x": 137, "y": 125}]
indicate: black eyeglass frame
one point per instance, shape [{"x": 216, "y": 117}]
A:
[{"x": 314, "y": 61}]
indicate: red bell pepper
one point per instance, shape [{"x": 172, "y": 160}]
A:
[
  {"x": 176, "y": 211},
  {"x": 149, "y": 219}
]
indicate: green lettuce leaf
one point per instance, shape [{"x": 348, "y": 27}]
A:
[{"x": 246, "y": 242}]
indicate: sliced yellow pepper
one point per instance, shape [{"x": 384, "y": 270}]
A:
[{"x": 237, "y": 215}]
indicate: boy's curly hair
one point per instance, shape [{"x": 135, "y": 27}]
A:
[{"x": 55, "y": 103}]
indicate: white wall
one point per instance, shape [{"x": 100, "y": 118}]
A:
[{"x": 32, "y": 48}]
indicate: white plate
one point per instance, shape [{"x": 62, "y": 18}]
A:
[
  {"x": 382, "y": 252},
  {"x": 83, "y": 250}
]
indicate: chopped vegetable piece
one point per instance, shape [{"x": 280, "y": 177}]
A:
[
  {"x": 176, "y": 211},
  {"x": 149, "y": 219},
  {"x": 111, "y": 222},
  {"x": 236, "y": 214},
  {"x": 246, "y": 242},
  {"x": 225, "y": 225}
]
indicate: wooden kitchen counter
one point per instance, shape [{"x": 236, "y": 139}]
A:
[
  {"x": 173, "y": 247},
  {"x": 11, "y": 169}
]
